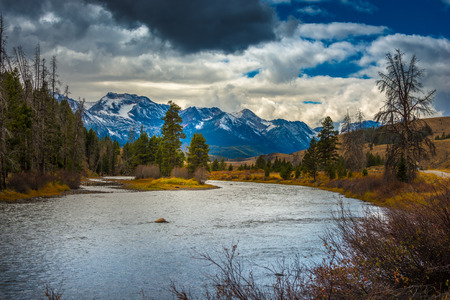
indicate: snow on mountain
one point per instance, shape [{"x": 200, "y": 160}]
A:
[
  {"x": 240, "y": 134},
  {"x": 364, "y": 125}
]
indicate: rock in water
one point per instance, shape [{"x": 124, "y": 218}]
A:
[{"x": 161, "y": 220}]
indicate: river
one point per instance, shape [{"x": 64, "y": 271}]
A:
[{"x": 107, "y": 246}]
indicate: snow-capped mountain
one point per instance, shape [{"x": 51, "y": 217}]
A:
[
  {"x": 366, "y": 124},
  {"x": 241, "y": 134}
]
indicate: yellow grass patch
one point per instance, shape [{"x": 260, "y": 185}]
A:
[
  {"x": 51, "y": 189},
  {"x": 150, "y": 184}
]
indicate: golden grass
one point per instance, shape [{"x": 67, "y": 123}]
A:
[
  {"x": 150, "y": 184},
  {"x": 50, "y": 190}
]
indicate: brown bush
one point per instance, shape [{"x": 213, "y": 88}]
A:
[
  {"x": 23, "y": 182},
  {"x": 71, "y": 179},
  {"x": 148, "y": 171},
  {"x": 390, "y": 254},
  {"x": 180, "y": 173},
  {"x": 201, "y": 175},
  {"x": 396, "y": 253}
]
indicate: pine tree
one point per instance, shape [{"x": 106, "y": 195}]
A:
[
  {"x": 327, "y": 146},
  {"x": 222, "y": 165},
  {"x": 311, "y": 159},
  {"x": 261, "y": 163},
  {"x": 170, "y": 149},
  {"x": 215, "y": 166},
  {"x": 198, "y": 153}
]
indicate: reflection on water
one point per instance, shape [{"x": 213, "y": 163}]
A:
[{"x": 106, "y": 245}]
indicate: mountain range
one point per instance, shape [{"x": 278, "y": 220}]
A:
[{"x": 232, "y": 135}]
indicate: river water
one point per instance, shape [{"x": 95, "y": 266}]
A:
[{"x": 107, "y": 246}]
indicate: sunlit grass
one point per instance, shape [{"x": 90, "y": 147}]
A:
[
  {"x": 150, "y": 184},
  {"x": 49, "y": 190}
]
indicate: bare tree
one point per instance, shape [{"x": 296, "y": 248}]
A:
[
  {"x": 400, "y": 116},
  {"x": 54, "y": 76},
  {"x": 353, "y": 141}
]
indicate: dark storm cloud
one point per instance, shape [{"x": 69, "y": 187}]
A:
[{"x": 195, "y": 25}]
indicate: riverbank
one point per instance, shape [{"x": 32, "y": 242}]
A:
[
  {"x": 371, "y": 188},
  {"x": 51, "y": 189},
  {"x": 55, "y": 189}
]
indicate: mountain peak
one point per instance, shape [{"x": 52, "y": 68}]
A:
[
  {"x": 240, "y": 134},
  {"x": 246, "y": 114}
]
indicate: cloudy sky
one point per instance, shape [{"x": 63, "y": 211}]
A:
[{"x": 291, "y": 59}]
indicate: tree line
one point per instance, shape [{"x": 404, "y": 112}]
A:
[
  {"x": 38, "y": 132},
  {"x": 41, "y": 136}
]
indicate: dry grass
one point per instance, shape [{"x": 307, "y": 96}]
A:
[
  {"x": 49, "y": 190},
  {"x": 150, "y": 184}
]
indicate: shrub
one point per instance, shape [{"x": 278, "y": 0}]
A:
[
  {"x": 201, "y": 175},
  {"x": 396, "y": 253},
  {"x": 23, "y": 182},
  {"x": 71, "y": 179},
  {"x": 390, "y": 254},
  {"x": 180, "y": 173},
  {"x": 365, "y": 172},
  {"x": 19, "y": 183},
  {"x": 148, "y": 171}
]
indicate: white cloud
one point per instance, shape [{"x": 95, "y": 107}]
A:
[
  {"x": 312, "y": 11},
  {"x": 433, "y": 55},
  {"x": 106, "y": 57},
  {"x": 338, "y": 31}
]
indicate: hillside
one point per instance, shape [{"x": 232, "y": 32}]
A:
[{"x": 438, "y": 126}]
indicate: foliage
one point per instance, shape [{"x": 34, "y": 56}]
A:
[
  {"x": 404, "y": 105},
  {"x": 373, "y": 160},
  {"x": 215, "y": 166},
  {"x": 201, "y": 175},
  {"x": 260, "y": 163},
  {"x": 327, "y": 147},
  {"x": 389, "y": 254},
  {"x": 197, "y": 156},
  {"x": 311, "y": 159},
  {"x": 180, "y": 172},
  {"x": 169, "y": 152},
  {"x": 286, "y": 171},
  {"x": 147, "y": 171},
  {"x": 442, "y": 137}
]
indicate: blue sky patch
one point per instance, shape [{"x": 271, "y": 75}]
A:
[
  {"x": 312, "y": 102},
  {"x": 251, "y": 74},
  {"x": 344, "y": 70}
]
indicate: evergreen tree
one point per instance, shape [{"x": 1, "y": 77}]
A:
[
  {"x": 327, "y": 146},
  {"x": 222, "y": 165},
  {"x": 215, "y": 166},
  {"x": 198, "y": 153},
  {"x": 260, "y": 163},
  {"x": 170, "y": 148},
  {"x": 311, "y": 159},
  {"x": 286, "y": 171}
]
